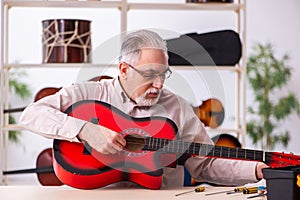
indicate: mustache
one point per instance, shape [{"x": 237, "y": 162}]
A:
[
  {"x": 141, "y": 100},
  {"x": 152, "y": 90}
]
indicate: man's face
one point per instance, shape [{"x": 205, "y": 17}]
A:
[{"x": 145, "y": 80}]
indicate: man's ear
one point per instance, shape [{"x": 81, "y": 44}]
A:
[{"x": 123, "y": 68}]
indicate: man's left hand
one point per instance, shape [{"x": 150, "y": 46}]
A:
[{"x": 259, "y": 167}]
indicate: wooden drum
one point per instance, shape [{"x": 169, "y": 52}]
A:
[{"x": 66, "y": 41}]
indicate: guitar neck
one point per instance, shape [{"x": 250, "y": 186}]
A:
[{"x": 206, "y": 150}]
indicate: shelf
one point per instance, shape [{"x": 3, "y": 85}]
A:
[
  {"x": 118, "y": 4},
  {"x": 91, "y": 65},
  {"x": 238, "y": 9},
  {"x": 66, "y": 4},
  {"x": 225, "y": 68},
  {"x": 13, "y": 127},
  {"x": 187, "y": 6},
  {"x": 55, "y": 65},
  {"x": 224, "y": 130}
]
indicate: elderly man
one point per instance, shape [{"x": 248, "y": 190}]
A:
[{"x": 138, "y": 91}]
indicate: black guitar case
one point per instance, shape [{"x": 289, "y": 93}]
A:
[
  {"x": 209, "y": 1},
  {"x": 213, "y": 48}
]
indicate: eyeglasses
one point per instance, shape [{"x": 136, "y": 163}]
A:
[{"x": 151, "y": 74}]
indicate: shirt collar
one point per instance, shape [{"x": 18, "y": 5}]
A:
[
  {"x": 120, "y": 91},
  {"x": 122, "y": 94}
]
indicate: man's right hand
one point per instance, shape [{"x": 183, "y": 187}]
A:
[{"x": 101, "y": 138}]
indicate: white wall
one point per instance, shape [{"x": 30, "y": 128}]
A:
[{"x": 267, "y": 21}]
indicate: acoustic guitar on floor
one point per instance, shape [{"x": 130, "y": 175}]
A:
[{"x": 150, "y": 146}]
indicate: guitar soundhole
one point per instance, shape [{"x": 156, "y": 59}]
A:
[{"x": 134, "y": 142}]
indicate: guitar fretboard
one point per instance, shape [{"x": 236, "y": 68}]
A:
[{"x": 207, "y": 150}]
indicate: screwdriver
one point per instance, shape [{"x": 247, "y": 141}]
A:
[
  {"x": 238, "y": 189},
  {"x": 198, "y": 189},
  {"x": 261, "y": 190},
  {"x": 250, "y": 190}
]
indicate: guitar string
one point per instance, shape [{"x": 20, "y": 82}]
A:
[
  {"x": 210, "y": 150},
  {"x": 200, "y": 149}
]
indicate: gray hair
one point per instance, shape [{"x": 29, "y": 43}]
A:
[{"x": 134, "y": 42}]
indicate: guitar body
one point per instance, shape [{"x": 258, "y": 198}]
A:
[
  {"x": 211, "y": 112},
  {"x": 226, "y": 140},
  {"x": 79, "y": 166}
]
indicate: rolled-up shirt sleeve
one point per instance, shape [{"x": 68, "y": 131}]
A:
[
  {"x": 222, "y": 171},
  {"x": 214, "y": 170}
]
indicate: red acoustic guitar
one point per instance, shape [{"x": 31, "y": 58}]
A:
[{"x": 150, "y": 146}]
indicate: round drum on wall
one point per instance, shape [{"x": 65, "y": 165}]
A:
[{"x": 66, "y": 41}]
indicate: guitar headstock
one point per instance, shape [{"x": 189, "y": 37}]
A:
[{"x": 277, "y": 159}]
